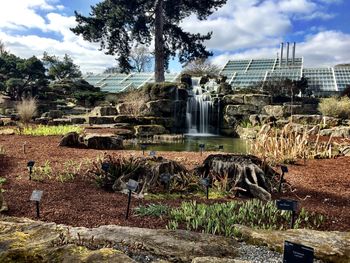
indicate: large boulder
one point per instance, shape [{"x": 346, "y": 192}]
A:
[
  {"x": 149, "y": 130},
  {"x": 70, "y": 139},
  {"x": 164, "y": 108},
  {"x": 245, "y": 109},
  {"x": 53, "y": 114},
  {"x": 274, "y": 110},
  {"x": 126, "y": 108},
  {"x": 103, "y": 141},
  {"x": 25, "y": 240},
  {"x": 63, "y": 121},
  {"x": 257, "y": 99},
  {"x": 144, "y": 120},
  {"x": 306, "y": 119},
  {"x": 164, "y": 91},
  {"x": 101, "y": 120},
  {"x": 341, "y": 131},
  {"x": 104, "y": 111},
  {"x": 78, "y": 120},
  {"x": 233, "y": 99}
]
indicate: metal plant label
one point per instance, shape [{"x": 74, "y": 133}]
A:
[
  {"x": 297, "y": 253},
  {"x": 289, "y": 205},
  {"x": 36, "y": 195}
]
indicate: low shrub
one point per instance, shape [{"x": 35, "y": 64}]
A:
[
  {"x": 220, "y": 218},
  {"x": 152, "y": 210},
  {"x": 43, "y": 130},
  {"x": 116, "y": 167},
  {"x": 335, "y": 107},
  {"x": 27, "y": 109},
  {"x": 41, "y": 173}
]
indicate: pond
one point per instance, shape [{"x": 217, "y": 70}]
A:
[{"x": 191, "y": 144}]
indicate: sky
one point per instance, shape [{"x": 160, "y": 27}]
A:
[{"x": 242, "y": 29}]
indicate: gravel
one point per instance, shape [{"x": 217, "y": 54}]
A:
[{"x": 259, "y": 254}]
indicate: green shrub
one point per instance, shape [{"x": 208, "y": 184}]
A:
[
  {"x": 152, "y": 210},
  {"x": 43, "y": 130},
  {"x": 220, "y": 218},
  {"x": 41, "y": 173},
  {"x": 117, "y": 167},
  {"x": 335, "y": 107}
]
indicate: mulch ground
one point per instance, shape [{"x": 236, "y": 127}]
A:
[{"x": 322, "y": 186}]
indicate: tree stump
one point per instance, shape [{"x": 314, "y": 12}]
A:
[{"x": 246, "y": 174}]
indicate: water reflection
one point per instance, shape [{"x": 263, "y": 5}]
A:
[{"x": 191, "y": 144}]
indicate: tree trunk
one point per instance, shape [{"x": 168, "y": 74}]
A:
[{"x": 159, "y": 42}]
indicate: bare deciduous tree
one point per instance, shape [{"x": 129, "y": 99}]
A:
[
  {"x": 141, "y": 59},
  {"x": 201, "y": 67}
]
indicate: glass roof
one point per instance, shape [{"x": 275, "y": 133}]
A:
[{"x": 240, "y": 73}]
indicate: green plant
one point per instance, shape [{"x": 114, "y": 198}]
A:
[
  {"x": 41, "y": 173},
  {"x": 43, "y": 130},
  {"x": 69, "y": 171},
  {"x": 220, "y": 218},
  {"x": 117, "y": 166},
  {"x": 246, "y": 124},
  {"x": 152, "y": 210},
  {"x": 335, "y": 107},
  {"x": 2, "y": 181},
  {"x": 27, "y": 109}
]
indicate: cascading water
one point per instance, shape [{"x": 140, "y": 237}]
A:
[{"x": 199, "y": 108}]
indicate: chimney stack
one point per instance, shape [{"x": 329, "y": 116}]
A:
[
  {"x": 281, "y": 54},
  {"x": 287, "y": 62},
  {"x": 293, "y": 58}
]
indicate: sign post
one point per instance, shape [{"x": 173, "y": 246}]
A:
[
  {"x": 165, "y": 178},
  {"x": 36, "y": 197},
  {"x": 297, "y": 253},
  {"x": 284, "y": 170},
  {"x": 288, "y": 205},
  {"x": 201, "y": 148},
  {"x": 221, "y": 147},
  {"x": 132, "y": 186},
  {"x": 143, "y": 148},
  {"x": 30, "y": 165},
  {"x": 205, "y": 182}
]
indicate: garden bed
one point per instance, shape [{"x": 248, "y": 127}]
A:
[{"x": 321, "y": 186}]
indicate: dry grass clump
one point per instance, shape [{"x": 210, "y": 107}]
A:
[
  {"x": 133, "y": 102},
  {"x": 287, "y": 145},
  {"x": 335, "y": 107},
  {"x": 27, "y": 109}
]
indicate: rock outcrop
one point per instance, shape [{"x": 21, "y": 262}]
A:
[
  {"x": 24, "y": 240},
  {"x": 92, "y": 141}
]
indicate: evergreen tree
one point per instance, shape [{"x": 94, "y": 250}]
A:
[{"x": 118, "y": 24}]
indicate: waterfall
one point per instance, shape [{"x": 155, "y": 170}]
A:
[{"x": 199, "y": 108}]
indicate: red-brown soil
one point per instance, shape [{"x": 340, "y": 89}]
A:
[{"x": 322, "y": 186}]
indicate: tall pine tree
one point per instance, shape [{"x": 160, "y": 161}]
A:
[{"x": 118, "y": 24}]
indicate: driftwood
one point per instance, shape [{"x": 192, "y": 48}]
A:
[{"x": 246, "y": 174}]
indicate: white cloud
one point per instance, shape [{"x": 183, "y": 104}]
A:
[{"x": 254, "y": 26}]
